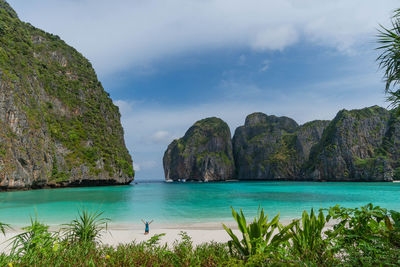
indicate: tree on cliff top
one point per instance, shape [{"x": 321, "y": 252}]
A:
[{"x": 389, "y": 59}]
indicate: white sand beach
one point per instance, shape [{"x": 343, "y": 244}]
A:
[
  {"x": 199, "y": 232},
  {"x": 124, "y": 234}
]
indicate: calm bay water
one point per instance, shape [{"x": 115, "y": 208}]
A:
[{"x": 192, "y": 202}]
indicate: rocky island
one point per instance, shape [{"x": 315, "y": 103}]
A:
[
  {"x": 58, "y": 127},
  {"x": 357, "y": 145},
  {"x": 203, "y": 154},
  {"x": 270, "y": 147}
]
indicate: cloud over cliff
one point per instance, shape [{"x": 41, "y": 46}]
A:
[{"x": 124, "y": 33}]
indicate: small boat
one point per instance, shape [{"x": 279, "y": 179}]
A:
[{"x": 169, "y": 181}]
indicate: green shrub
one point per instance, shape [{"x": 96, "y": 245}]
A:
[
  {"x": 257, "y": 236},
  {"x": 35, "y": 240},
  {"x": 87, "y": 228},
  {"x": 366, "y": 236},
  {"x": 308, "y": 241}
]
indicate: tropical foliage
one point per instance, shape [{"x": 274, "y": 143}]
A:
[
  {"x": 389, "y": 59},
  {"x": 36, "y": 239},
  {"x": 257, "y": 236},
  {"x": 87, "y": 228},
  {"x": 4, "y": 227},
  {"x": 338, "y": 236},
  {"x": 307, "y": 238},
  {"x": 364, "y": 236}
]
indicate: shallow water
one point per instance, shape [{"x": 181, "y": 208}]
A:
[{"x": 191, "y": 202}]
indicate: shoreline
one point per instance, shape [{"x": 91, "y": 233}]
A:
[
  {"x": 124, "y": 234},
  {"x": 96, "y": 183},
  {"x": 61, "y": 186},
  {"x": 121, "y": 226},
  {"x": 122, "y": 237},
  {"x": 127, "y": 233},
  {"x": 200, "y": 226}
]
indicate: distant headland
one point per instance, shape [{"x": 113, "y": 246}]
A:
[{"x": 357, "y": 145}]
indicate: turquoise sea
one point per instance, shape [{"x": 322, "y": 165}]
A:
[{"x": 172, "y": 203}]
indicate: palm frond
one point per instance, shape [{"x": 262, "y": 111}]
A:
[
  {"x": 389, "y": 59},
  {"x": 4, "y": 227}
]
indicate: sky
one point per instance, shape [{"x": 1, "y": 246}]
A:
[{"x": 169, "y": 63}]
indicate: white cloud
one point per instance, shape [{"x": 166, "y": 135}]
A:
[
  {"x": 124, "y": 107},
  {"x": 122, "y": 33},
  {"x": 136, "y": 166},
  {"x": 275, "y": 38},
  {"x": 144, "y": 165},
  {"x": 160, "y": 136}
]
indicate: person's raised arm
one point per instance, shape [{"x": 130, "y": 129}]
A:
[
  {"x": 150, "y": 221},
  {"x": 143, "y": 221}
]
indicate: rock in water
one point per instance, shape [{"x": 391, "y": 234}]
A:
[
  {"x": 358, "y": 145},
  {"x": 58, "y": 127},
  {"x": 203, "y": 154},
  {"x": 265, "y": 148}
]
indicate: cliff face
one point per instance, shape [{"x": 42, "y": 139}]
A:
[
  {"x": 58, "y": 127},
  {"x": 263, "y": 147},
  {"x": 308, "y": 135},
  {"x": 203, "y": 154},
  {"x": 391, "y": 145},
  {"x": 357, "y": 145},
  {"x": 273, "y": 148}
]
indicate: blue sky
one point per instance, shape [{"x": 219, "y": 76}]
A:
[{"x": 168, "y": 63}]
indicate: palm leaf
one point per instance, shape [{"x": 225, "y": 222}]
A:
[{"x": 4, "y": 227}]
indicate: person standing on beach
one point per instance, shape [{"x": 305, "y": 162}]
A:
[{"x": 147, "y": 224}]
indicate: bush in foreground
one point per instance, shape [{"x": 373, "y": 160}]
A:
[
  {"x": 365, "y": 236},
  {"x": 135, "y": 254}
]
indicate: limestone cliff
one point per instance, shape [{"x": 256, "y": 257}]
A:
[
  {"x": 357, "y": 145},
  {"x": 263, "y": 147},
  {"x": 58, "y": 127},
  {"x": 203, "y": 154},
  {"x": 391, "y": 145},
  {"x": 274, "y": 148}
]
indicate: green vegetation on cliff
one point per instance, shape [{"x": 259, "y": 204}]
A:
[
  {"x": 354, "y": 146},
  {"x": 52, "y": 94},
  {"x": 270, "y": 147},
  {"x": 204, "y": 153},
  {"x": 357, "y": 145}
]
